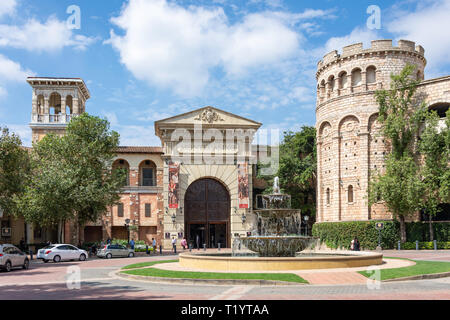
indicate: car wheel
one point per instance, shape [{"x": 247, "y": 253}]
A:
[
  {"x": 82, "y": 257},
  {"x": 131, "y": 255},
  {"x": 108, "y": 256},
  {"x": 45, "y": 261},
  {"x": 57, "y": 259},
  {"x": 26, "y": 264},
  {"x": 8, "y": 266}
]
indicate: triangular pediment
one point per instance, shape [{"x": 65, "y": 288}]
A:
[{"x": 209, "y": 117}]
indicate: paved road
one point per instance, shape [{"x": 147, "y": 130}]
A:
[{"x": 48, "y": 281}]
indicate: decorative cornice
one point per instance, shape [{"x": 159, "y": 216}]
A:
[{"x": 209, "y": 115}]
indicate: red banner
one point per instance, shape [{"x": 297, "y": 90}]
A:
[
  {"x": 174, "y": 172},
  {"x": 243, "y": 185}
]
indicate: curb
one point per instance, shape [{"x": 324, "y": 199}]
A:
[
  {"x": 421, "y": 277},
  {"x": 223, "y": 282}
]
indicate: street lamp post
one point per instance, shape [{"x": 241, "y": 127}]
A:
[
  {"x": 306, "y": 218},
  {"x": 127, "y": 225}
]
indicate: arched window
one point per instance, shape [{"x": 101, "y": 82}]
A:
[
  {"x": 40, "y": 104},
  {"x": 328, "y": 195},
  {"x": 322, "y": 87},
  {"x": 343, "y": 80},
  {"x": 356, "y": 77},
  {"x": 332, "y": 83},
  {"x": 440, "y": 108},
  {"x": 350, "y": 194},
  {"x": 371, "y": 76},
  {"x": 123, "y": 165},
  {"x": 69, "y": 104},
  {"x": 147, "y": 173}
]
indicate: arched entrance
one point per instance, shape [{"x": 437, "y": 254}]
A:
[{"x": 207, "y": 214}]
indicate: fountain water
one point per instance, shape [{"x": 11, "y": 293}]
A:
[{"x": 278, "y": 228}]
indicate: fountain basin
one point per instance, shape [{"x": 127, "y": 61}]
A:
[
  {"x": 276, "y": 246},
  {"x": 322, "y": 260}
]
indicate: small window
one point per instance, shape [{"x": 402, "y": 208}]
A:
[
  {"x": 147, "y": 177},
  {"x": 356, "y": 77},
  {"x": 350, "y": 194},
  {"x": 148, "y": 210},
  {"x": 328, "y": 195},
  {"x": 120, "y": 210},
  {"x": 371, "y": 75}
]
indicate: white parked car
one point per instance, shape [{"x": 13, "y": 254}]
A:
[
  {"x": 12, "y": 257},
  {"x": 60, "y": 252}
]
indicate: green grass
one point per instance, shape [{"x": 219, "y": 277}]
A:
[
  {"x": 421, "y": 267},
  {"x": 153, "y": 272},
  {"x": 146, "y": 264}
]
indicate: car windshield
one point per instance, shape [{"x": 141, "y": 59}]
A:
[{"x": 48, "y": 247}]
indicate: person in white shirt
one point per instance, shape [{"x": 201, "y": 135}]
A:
[{"x": 174, "y": 244}]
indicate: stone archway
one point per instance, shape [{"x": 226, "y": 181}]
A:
[{"x": 207, "y": 214}]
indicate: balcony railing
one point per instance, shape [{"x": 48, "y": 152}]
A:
[{"x": 51, "y": 118}]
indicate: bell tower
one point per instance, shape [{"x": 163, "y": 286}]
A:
[{"x": 55, "y": 102}]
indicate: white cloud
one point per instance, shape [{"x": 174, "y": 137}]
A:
[
  {"x": 428, "y": 26},
  {"x": 12, "y": 71},
  {"x": 358, "y": 34},
  {"x": 7, "y": 7},
  {"x": 23, "y": 131},
  {"x": 49, "y": 36},
  {"x": 169, "y": 46}
]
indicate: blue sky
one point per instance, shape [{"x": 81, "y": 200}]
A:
[{"x": 144, "y": 60}]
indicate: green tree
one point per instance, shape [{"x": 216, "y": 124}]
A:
[
  {"x": 298, "y": 169},
  {"x": 401, "y": 113},
  {"x": 72, "y": 177},
  {"x": 434, "y": 147},
  {"x": 14, "y": 167}
]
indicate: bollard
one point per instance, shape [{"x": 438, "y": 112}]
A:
[
  {"x": 31, "y": 254},
  {"x": 146, "y": 249},
  {"x": 190, "y": 247},
  {"x": 204, "y": 247},
  {"x": 218, "y": 246},
  {"x": 417, "y": 244},
  {"x": 160, "y": 249},
  {"x": 399, "y": 245},
  {"x": 435, "y": 244}
]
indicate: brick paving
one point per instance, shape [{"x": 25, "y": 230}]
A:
[{"x": 47, "y": 281}]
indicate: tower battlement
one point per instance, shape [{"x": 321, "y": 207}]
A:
[{"x": 377, "y": 46}]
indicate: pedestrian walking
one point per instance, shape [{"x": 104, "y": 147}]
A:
[
  {"x": 132, "y": 244},
  {"x": 352, "y": 245},
  {"x": 174, "y": 245},
  {"x": 197, "y": 241},
  {"x": 356, "y": 244},
  {"x": 154, "y": 245},
  {"x": 184, "y": 243}
]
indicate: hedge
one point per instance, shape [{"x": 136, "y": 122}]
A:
[
  {"x": 425, "y": 245},
  {"x": 340, "y": 234}
]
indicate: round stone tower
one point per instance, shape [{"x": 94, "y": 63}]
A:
[{"x": 350, "y": 147}]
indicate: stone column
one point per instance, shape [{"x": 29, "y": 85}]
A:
[
  {"x": 336, "y": 172},
  {"x": 76, "y": 107},
  {"x": 319, "y": 201},
  {"x": 364, "y": 171},
  {"x": 364, "y": 80}
]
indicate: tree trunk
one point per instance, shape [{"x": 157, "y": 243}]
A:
[
  {"x": 431, "y": 228},
  {"x": 402, "y": 229}
]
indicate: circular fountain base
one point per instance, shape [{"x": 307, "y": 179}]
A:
[{"x": 323, "y": 260}]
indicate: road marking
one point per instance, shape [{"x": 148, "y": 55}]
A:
[
  {"x": 234, "y": 293},
  {"x": 51, "y": 282}
]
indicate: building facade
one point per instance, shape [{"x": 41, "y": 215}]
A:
[{"x": 350, "y": 148}]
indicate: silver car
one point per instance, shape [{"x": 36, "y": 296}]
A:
[
  {"x": 12, "y": 257},
  {"x": 114, "y": 250},
  {"x": 59, "y": 252}
]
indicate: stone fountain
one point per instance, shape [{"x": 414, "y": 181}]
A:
[
  {"x": 276, "y": 244},
  {"x": 278, "y": 228}
]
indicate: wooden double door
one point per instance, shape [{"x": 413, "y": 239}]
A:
[{"x": 207, "y": 214}]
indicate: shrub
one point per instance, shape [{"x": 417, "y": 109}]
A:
[
  {"x": 340, "y": 234},
  {"x": 425, "y": 245}
]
